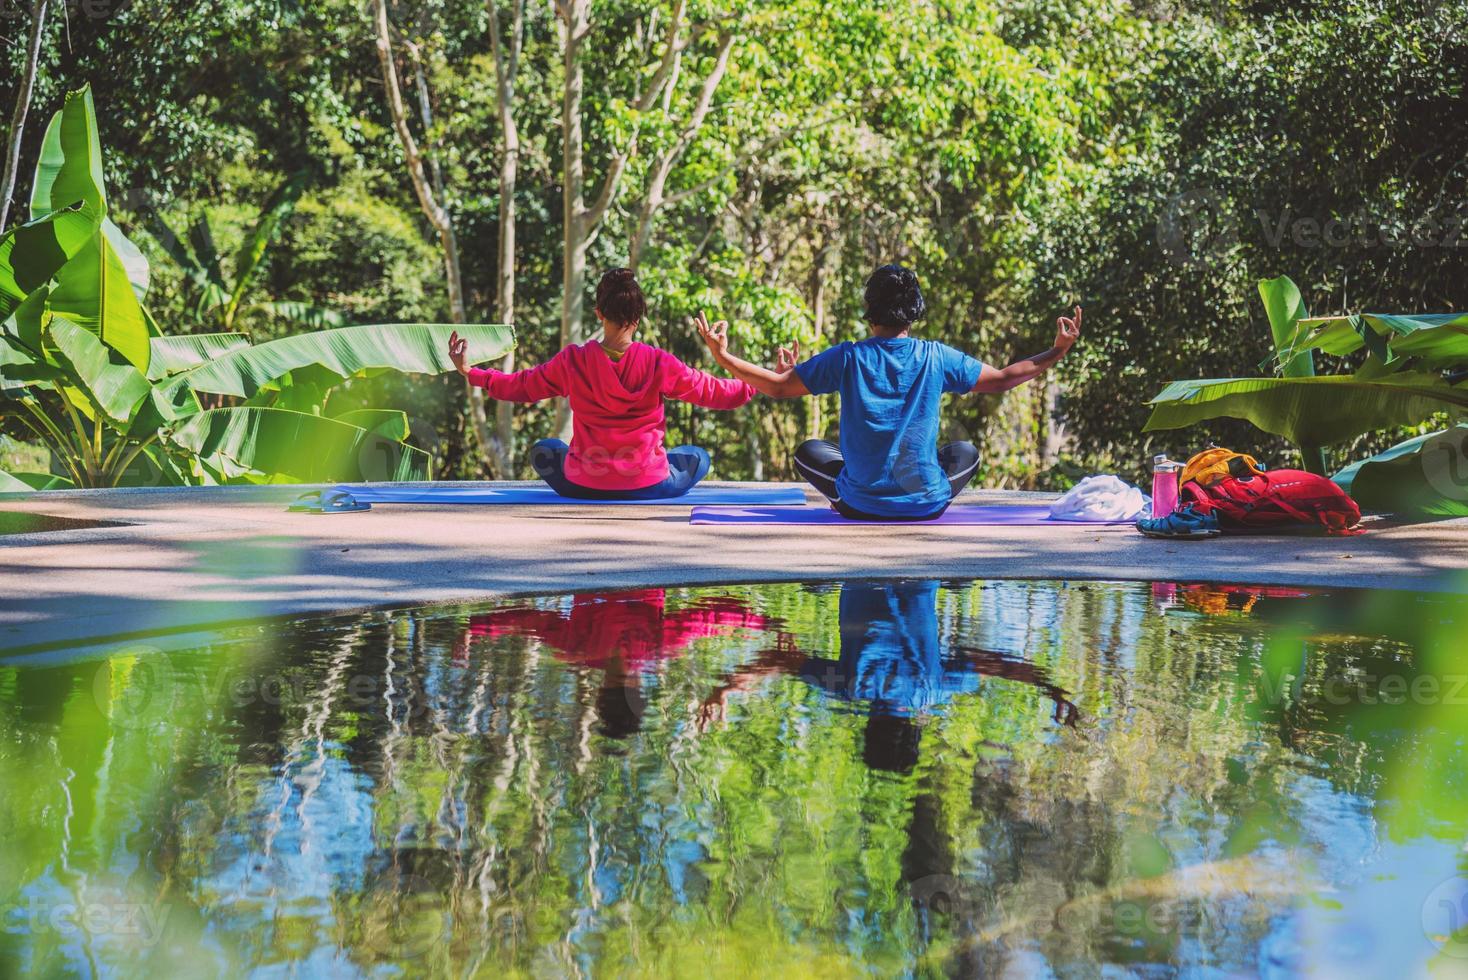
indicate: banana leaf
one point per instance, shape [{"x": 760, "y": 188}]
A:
[
  {"x": 171, "y": 355},
  {"x": 30, "y": 482},
  {"x": 386, "y": 422},
  {"x": 25, "y": 323},
  {"x": 116, "y": 389},
  {"x": 70, "y": 168},
  {"x": 132, "y": 258},
  {"x": 347, "y": 351},
  {"x": 12, "y": 483},
  {"x": 1286, "y": 309},
  {"x": 1320, "y": 411},
  {"x": 1436, "y": 340},
  {"x": 31, "y": 254},
  {"x": 1426, "y": 476},
  {"x": 93, "y": 290},
  {"x": 294, "y": 447},
  {"x": 305, "y": 389},
  {"x": 19, "y": 370}
]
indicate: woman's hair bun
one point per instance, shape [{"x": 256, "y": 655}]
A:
[{"x": 619, "y": 298}]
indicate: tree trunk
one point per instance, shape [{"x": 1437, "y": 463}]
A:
[
  {"x": 573, "y": 196},
  {"x": 506, "y": 65},
  {"x": 820, "y": 275},
  {"x": 438, "y": 216},
  {"x": 656, "y": 195},
  {"x": 580, "y": 222},
  {"x": 22, "y": 106}
]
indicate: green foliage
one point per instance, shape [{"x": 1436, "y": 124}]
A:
[
  {"x": 219, "y": 301},
  {"x": 1148, "y": 161},
  {"x": 1254, "y": 146},
  {"x": 1309, "y": 411},
  {"x": 1389, "y": 391},
  {"x": 87, "y": 373},
  {"x": 1422, "y": 477}
]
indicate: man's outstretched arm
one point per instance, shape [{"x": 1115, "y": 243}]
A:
[
  {"x": 993, "y": 379},
  {"x": 782, "y": 382}
]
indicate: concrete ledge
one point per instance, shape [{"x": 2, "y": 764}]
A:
[{"x": 191, "y": 557}]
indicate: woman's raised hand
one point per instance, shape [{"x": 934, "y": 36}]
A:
[
  {"x": 715, "y": 335},
  {"x": 1067, "y": 331},
  {"x": 458, "y": 346},
  {"x": 787, "y": 357}
]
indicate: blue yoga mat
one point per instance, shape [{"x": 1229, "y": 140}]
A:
[
  {"x": 448, "y": 493},
  {"x": 959, "y": 515}
]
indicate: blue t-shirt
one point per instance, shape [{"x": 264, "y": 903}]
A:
[{"x": 891, "y": 391}]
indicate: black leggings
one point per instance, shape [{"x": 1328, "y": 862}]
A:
[{"x": 821, "y": 462}]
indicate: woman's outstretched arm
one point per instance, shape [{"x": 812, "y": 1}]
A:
[
  {"x": 993, "y": 379},
  {"x": 535, "y": 384},
  {"x": 780, "y": 383}
]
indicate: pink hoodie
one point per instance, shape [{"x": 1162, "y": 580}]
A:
[{"x": 617, "y": 407}]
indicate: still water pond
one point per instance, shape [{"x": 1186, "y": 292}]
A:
[{"x": 899, "y": 778}]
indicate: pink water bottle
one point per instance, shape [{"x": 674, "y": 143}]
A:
[{"x": 1165, "y": 473}]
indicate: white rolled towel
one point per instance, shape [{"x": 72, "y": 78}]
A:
[{"x": 1101, "y": 498}]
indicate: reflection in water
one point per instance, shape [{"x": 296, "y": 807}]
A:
[
  {"x": 891, "y": 661},
  {"x": 904, "y": 777},
  {"x": 622, "y": 634}
]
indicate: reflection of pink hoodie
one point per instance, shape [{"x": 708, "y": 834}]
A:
[
  {"x": 617, "y": 407},
  {"x": 631, "y": 625}
]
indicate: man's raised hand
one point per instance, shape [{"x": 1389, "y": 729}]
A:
[
  {"x": 1067, "y": 330},
  {"x": 787, "y": 357},
  {"x": 715, "y": 335}
]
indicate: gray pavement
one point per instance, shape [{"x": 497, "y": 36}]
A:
[{"x": 194, "y": 557}]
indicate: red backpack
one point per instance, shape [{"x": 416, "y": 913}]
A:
[{"x": 1275, "y": 498}]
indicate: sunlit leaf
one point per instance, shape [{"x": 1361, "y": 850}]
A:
[
  {"x": 1320, "y": 411},
  {"x": 70, "y": 168},
  {"x": 385, "y": 422},
  {"x": 1424, "y": 476},
  {"x": 117, "y": 389},
  {"x": 412, "y": 347},
  {"x": 187, "y": 351},
  {"x": 296, "y": 447},
  {"x": 93, "y": 291},
  {"x": 1438, "y": 340}
]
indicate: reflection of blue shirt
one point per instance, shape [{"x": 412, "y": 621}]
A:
[
  {"x": 891, "y": 391},
  {"x": 890, "y": 652}
]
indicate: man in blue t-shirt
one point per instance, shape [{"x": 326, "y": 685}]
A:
[{"x": 888, "y": 466}]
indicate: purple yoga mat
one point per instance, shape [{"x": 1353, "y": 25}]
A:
[{"x": 961, "y": 515}]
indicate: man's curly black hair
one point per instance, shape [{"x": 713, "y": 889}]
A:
[{"x": 893, "y": 298}]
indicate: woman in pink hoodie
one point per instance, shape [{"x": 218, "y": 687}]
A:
[{"x": 616, "y": 388}]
